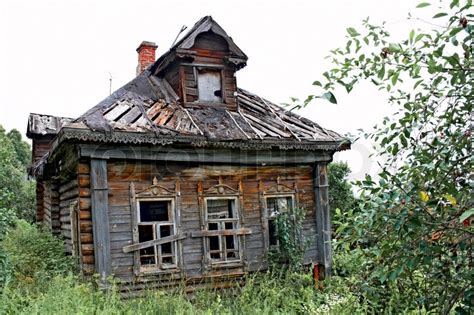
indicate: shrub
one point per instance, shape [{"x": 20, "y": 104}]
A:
[
  {"x": 32, "y": 251},
  {"x": 292, "y": 243}
]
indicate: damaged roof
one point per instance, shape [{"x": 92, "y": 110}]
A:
[{"x": 148, "y": 110}]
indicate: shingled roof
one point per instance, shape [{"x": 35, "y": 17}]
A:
[{"x": 148, "y": 110}]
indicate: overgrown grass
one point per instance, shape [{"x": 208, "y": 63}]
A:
[{"x": 42, "y": 282}]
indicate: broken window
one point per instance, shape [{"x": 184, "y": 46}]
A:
[
  {"x": 275, "y": 206},
  {"x": 221, "y": 215},
  {"x": 156, "y": 221},
  {"x": 209, "y": 83}
]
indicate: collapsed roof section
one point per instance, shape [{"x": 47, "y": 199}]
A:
[{"x": 148, "y": 110}]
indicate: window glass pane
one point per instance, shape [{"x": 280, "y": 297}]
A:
[
  {"x": 147, "y": 255},
  {"x": 209, "y": 85},
  {"x": 220, "y": 208},
  {"x": 214, "y": 243},
  {"x": 276, "y": 205},
  {"x": 229, "y": 225},
  {"x": 166, "y": 230},
  {"x": 272, "y": 232},
  {"x": 229, "y": 242},
  {"x": 213, "y": 227},
  {"x": 151, "y": 211}
]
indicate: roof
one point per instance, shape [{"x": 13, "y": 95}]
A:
[
  {"x": 205, "y": 24},
  {"x": 147, "y": 110},
  {"x": 40, "y": 124}
]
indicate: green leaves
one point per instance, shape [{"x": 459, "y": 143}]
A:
[
  {"x": 423, "y": 4},
  {"x": 330, "y": 97},
  {"x": 352, "y": 32},
  {"x": 466, "y": 214},
  {"x": 410, "y": 222},
  {"x": 438, "y": 15}
]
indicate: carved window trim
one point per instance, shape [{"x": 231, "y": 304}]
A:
[
  {"x": 277, "y": 190},
  {"x": 216, "y": 192},
  {"x": 156, "y": 192}
]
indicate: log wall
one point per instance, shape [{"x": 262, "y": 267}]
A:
[
  {"x": 85, "y": 216},
  {"x": 121, "y": 173},
  {"x": 68, "y": 193}
]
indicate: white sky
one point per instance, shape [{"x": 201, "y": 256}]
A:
[{"x": 56, "y": 56}]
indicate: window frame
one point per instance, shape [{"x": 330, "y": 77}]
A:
[
  {"x": 223, "y": 260},
  {"x": 159, "y": 265},
  {"x": 195, "y": 70},
  {"x": 150, "y": 193},
  {"x": 277, "y": 189},
  {"x": 274, "y": 217}
]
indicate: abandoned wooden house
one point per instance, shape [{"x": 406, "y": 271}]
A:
[{"x": 179, "y": 174}]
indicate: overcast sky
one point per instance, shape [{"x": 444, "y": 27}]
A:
[{"x": 56, "y": 57}]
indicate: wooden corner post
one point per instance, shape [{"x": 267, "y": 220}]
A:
[
  {"x": 100, "y": 218},
  {"x": 323, "y": 219}
]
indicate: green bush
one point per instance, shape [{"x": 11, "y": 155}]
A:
[{"x": 34, "y": 254}]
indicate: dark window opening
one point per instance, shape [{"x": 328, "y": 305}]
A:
[
  {"x": 156, "y": 221},
  {"x": 152, "y": 211},
  {"x": 272, "y": 232}
]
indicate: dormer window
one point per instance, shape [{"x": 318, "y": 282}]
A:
[
  {"x": 202, "y": 84},
  {"x": 209, "y": 84}
]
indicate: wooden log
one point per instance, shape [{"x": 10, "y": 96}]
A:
[
  {"x": 69, "y": 194},
  {"x": 84, "y": 203},
  {"x": 83, "y": 181},
  {"x": 87, "y": 238},
  {"x": 71, "y": 184}
]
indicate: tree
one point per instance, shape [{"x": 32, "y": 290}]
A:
[
  {"x": 340, "y": 190},
  {"x": 16, "y": 192},
  {"x": 414, "y": 225}
]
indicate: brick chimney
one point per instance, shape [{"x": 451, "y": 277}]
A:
[{"x": 146, "y": 55}]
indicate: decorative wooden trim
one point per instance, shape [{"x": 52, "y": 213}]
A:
[
  {"x": 279, "y": 188},
  {"x": 223, "y": 190}
]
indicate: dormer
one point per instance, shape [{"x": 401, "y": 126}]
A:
[{"x": 201, "y": 67}]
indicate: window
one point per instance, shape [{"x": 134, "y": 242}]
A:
[
  {"x": 209, "y": 84},
  {"x": 221, "y": 214},
  {"x": 275, "y": 206},
  {"x": 156, "y": 221}
]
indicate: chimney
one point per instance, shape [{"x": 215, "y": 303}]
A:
[{"x": 146, "y": 55}]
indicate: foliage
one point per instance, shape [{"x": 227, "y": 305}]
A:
[
  {"x": 31, "y": 251},
  {"x": 413, "y": 227},
  {"x": 340, "y": 190},
  {"x": 266, "y": 293},
  {"x": 292, "y": 244},
  {"x": 16, "y": 192}
]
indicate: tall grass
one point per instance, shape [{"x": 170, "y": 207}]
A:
[{"x": 42, "y": 282}]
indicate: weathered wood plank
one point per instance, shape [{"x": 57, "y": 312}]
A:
[
  {"x": 163, "y": 240},
  {"x": 100, "y": 219}
]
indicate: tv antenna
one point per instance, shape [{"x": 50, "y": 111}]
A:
[
  {"x": 110, "y": 83},
  {"x": 183, "y": 28}
]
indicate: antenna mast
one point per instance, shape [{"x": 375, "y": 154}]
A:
[{"x": 183, "y": 28}]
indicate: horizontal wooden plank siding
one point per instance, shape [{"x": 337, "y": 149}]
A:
[{"x": 121, "y": 173}]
